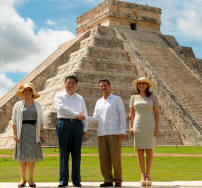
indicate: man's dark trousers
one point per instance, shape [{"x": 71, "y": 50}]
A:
[{"x": 70, "y": 135}]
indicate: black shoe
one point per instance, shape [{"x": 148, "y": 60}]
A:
[
  {"x": 22, "y": 185},
  {"x": 63, "y": 185},
  {"x": 117, "y": 184},
  {"x": 77, "y": 185},
  {"x": 32, "y": 185},
  {"x": 105, "y": 184}
]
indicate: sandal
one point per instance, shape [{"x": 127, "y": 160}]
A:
[
  {"x": 143, "y": 180},
  {"x": 148, "y": 180}
]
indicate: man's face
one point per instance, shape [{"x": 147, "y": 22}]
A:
[
  {"x": 104, "y": 87},
  {"x": 70, "y": 85}
]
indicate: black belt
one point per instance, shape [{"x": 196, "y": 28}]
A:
[
  {"x": 32, "y": 122},
  {"x": 70, "y": 120}
]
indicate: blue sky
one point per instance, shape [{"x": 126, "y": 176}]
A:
[{"x": 30, "y": 30}]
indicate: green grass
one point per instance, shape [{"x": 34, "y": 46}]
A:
[
  {"x": 158, "y": 149},
  {"x": 163, "y": 169}
]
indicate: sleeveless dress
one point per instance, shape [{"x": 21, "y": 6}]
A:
[
  {"x": 27, "y": 149},
  {"x": 144, "y": 122}
]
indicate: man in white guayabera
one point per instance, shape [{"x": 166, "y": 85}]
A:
[{"x": 110, "y": 114}]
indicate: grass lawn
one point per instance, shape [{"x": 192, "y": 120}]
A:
[{"x": 163, "y": 169}]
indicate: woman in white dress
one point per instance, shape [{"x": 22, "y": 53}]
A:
[
  {"x": 28, "y": 131},
  {"x": 144, "y": 125}
]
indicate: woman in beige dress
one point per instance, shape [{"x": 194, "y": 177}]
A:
[{"x": 144, "y": 125}]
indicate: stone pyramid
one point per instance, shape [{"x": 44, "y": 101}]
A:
[{"x": 120, "y": 41}]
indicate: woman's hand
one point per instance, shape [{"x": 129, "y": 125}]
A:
[
  {"x": 156, "y": 132},
  {"x": 42, "y": 136},
  {"x": 15, "y": 137},
  {"x": 132, "y": 131}
]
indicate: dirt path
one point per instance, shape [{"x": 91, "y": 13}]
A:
[{"x": 124, "y": 154}]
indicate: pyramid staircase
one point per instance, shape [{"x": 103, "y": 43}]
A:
[
  {"x": 121, "y": 56},
  {"x": 174, "y": 78}
]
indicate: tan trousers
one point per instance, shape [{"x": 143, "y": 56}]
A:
[{"x": 110, "y": 155}]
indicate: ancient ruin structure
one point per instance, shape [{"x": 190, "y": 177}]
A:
[{"x": 120, "y": 41}]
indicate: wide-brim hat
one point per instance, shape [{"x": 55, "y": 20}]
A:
[
  {"x": 143, "y": 79},
  {"x": 27, "y": 85}
]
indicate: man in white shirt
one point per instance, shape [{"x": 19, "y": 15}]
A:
[
  {"x": 70, "y": 129},
  {"x": 110, "y": 114}
]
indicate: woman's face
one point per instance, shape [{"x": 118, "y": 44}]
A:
[
  {"x": 28, "y": 93},
  {"x": 142, "y": 86}
]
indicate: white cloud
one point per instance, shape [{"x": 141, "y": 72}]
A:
[
  {"x": 50, "y": 22},
  {"x": 21, "y": 48},
  {"x": 190, "y": 25},
  {"x": 5, "y": 84}
]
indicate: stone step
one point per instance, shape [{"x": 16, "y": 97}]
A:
[
  {"x": 93, "y": 77},
  {"x": 98, "y": 64},
  {"x": 69, "y": 66},
  {"x": 103, "y": 42},
  {"x": 96, "y": 52},
  {"x": 110, "y": 65},
  {"x": 78, "y": 54}
]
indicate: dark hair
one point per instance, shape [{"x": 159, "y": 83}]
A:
[
  {"x": 71, "y": 77},
  {"x": 147, "y": 92},
  {"x": 105, "y": 80}
]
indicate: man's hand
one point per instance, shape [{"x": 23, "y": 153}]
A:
[
  {"x": 15, "y": 137},
  {"x": 80, "y": 117},
  {"x": 84, "y": 134},
  {"x": 122, "y": 136}
]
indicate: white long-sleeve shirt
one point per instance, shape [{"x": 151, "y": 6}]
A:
[
  {"x": 110, "y": 115},
  {"x": 69, "y": 106}
]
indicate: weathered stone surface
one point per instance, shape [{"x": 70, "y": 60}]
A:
[{"x": 120, "y": 14}]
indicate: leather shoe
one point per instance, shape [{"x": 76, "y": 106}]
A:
[
  {"x": 105, "y": 184},
  {"x": 77, "y": 185},
  {"x": 117, "y": 184},
  {"x": 62, "y": 185}
]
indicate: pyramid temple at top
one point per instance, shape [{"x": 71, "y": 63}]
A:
[{"x": 120, "y": 41}]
